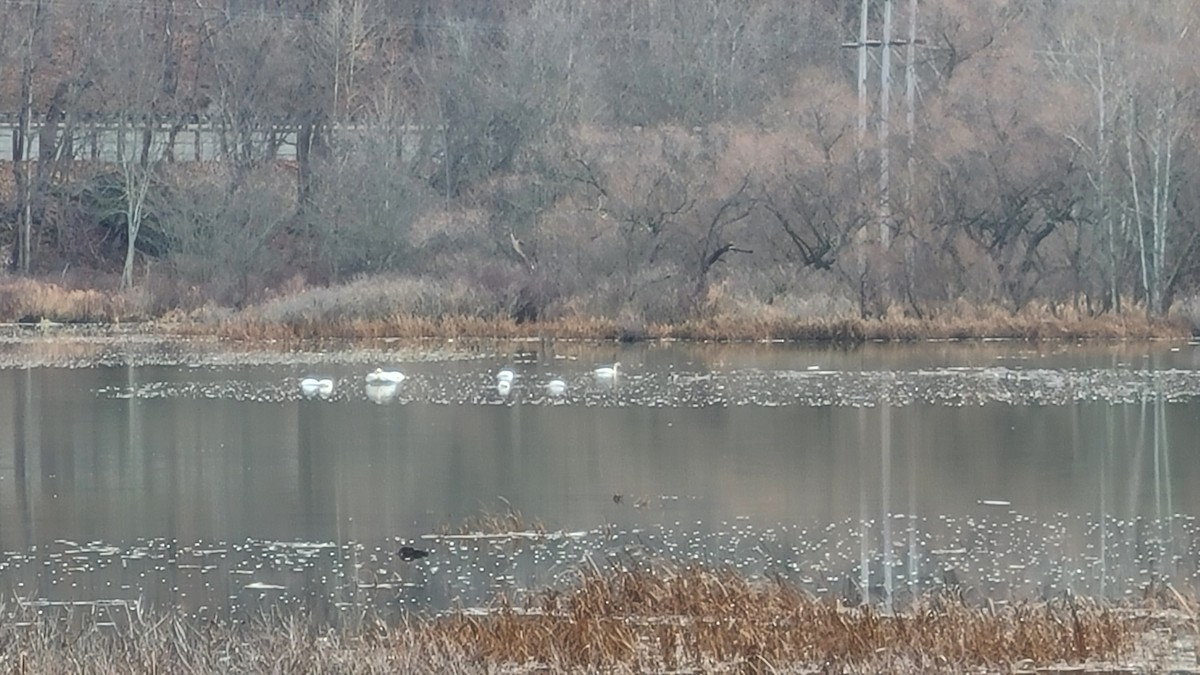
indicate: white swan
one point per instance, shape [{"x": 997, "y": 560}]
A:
[
  {"x": 381, "y": 376},
  {"x": 504, "y": 387},
  {"x": 607, "y": 372},
  {"x": 506, "y": 375},
  {"x": 316, "y": 386},
  {"x": 556, "y": 387}
]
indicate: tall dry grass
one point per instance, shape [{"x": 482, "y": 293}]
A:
[
  {"x": 489, "y": 522},
  {"x": 699, "y": 620},
  {"x": 954, "y": 322},
  {"x": 29, "y": 300},
  {"x": 378, "y": 307},
  {"x": 1188, "y": 310},
  {"x": 406, "y": 307},
  {"x": 664, "y": 619},
  {"x": 135, "y": 641}
]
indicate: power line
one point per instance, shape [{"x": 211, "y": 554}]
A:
[{"x": 201, "y": 11}]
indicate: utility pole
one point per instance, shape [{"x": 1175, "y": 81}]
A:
[
  {"x": 885, "y": 211},
  {"x": 910, "y": 91},
  {"x": 885, "y": 99},
  {"x": 910, "y": 112},
  {"x": 862, "y": 88}
]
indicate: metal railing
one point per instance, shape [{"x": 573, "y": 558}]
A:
[{"x": 197, "y": 141}]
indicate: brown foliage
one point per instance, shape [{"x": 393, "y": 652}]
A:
[
  {"x": 28, "y": 300},
  {"x": 672, "y": 619},
  {"x": 695, "y": 618}
]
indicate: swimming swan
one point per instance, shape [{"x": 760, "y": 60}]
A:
[
  {"x": 506, "y": 375},
  {"x": 381, "y": 376},
  {"x": 607, "y": 372},
  {"x": 316, "y": 386},
  {"x": 504, "y": 387},
  {"x": 556, "y": 387}
]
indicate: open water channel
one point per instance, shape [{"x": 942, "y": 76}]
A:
[{"x": 198, "y": 475}]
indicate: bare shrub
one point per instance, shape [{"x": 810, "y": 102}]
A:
[
  {"x": 365, "y": 206},
  {"x": 220, "y": 230},
  {"x": 776, "y": 294},
  {"x": 1189, "y": 310},
  {"x": 372, "y": 299}
]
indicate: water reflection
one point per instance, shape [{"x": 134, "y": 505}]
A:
[
  {"x": 381, "y": 393},
  {"x": 223, "y": 486}
]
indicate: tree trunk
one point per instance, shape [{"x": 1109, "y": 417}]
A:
[{"x": 21, "y": 148}]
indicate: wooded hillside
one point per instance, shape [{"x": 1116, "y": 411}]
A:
[{"x": 654, "y": 159}]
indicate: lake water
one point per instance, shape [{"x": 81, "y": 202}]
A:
[{"x": 199, "y": 475}]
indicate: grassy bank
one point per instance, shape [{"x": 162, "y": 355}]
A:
[
  {"x": 408, "y": 308},
  {"x": 660, "y": 620}
]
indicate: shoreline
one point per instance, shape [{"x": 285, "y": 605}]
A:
[
  {"x": 381, "y": 309},
  {"x": 832, "y": 332}
]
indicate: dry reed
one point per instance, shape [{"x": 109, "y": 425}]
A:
[
  {"x": 32, "y": 301},
  {"x": 657, "y": 619},
  {"x": 373, "y": 308},
  {"x": 488, "y": 522},
  {"x": 409, "y": 308},
  {"x": 1030, "y": 326},
  {"x": 136, "y": 641},
  {"x": 702, "y": 619}
]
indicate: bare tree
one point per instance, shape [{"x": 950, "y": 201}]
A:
[
  {"x": 671, "y": 217},
  {"x": 815, "y": 194},
  {"x": 663, "y": 61},
  {"x": 1087, "y": 62},
  {"x": 370, "y": 192},
  {"x": 219, "y": 237},
  {"x": 1153, "y": 136},
  {"x": 136, "y": 77},
  {"x": 33, "y": 27},
  {"x": 340, "y": 40},
  {"x": 1157, "y": 122},
  {"x": 1127, "y": 59},
  {"x": 493, "y": 102},
  {"x": 258, "y": 85},
  {"x": 716, "y": 242}
]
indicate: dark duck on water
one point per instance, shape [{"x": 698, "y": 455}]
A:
[{"x": 409, "y": 553}]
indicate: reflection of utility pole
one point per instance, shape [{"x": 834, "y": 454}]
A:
[
  {"x": 885, "y": 498},
  {"x": 861, "y": 45}
]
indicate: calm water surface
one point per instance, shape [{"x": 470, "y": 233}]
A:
[{"x": 203, "y": 478}]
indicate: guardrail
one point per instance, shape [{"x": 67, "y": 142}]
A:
[{"x": 107, "y": 141}]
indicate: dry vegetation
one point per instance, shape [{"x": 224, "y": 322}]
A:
[
  {"x": 409, "y": 308},
  {"x": 697, "y": 619},
  {"x": 488, "y": 522},
  {"x": 27, "y": 300},
  {"x": 661, "y": 620}
]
